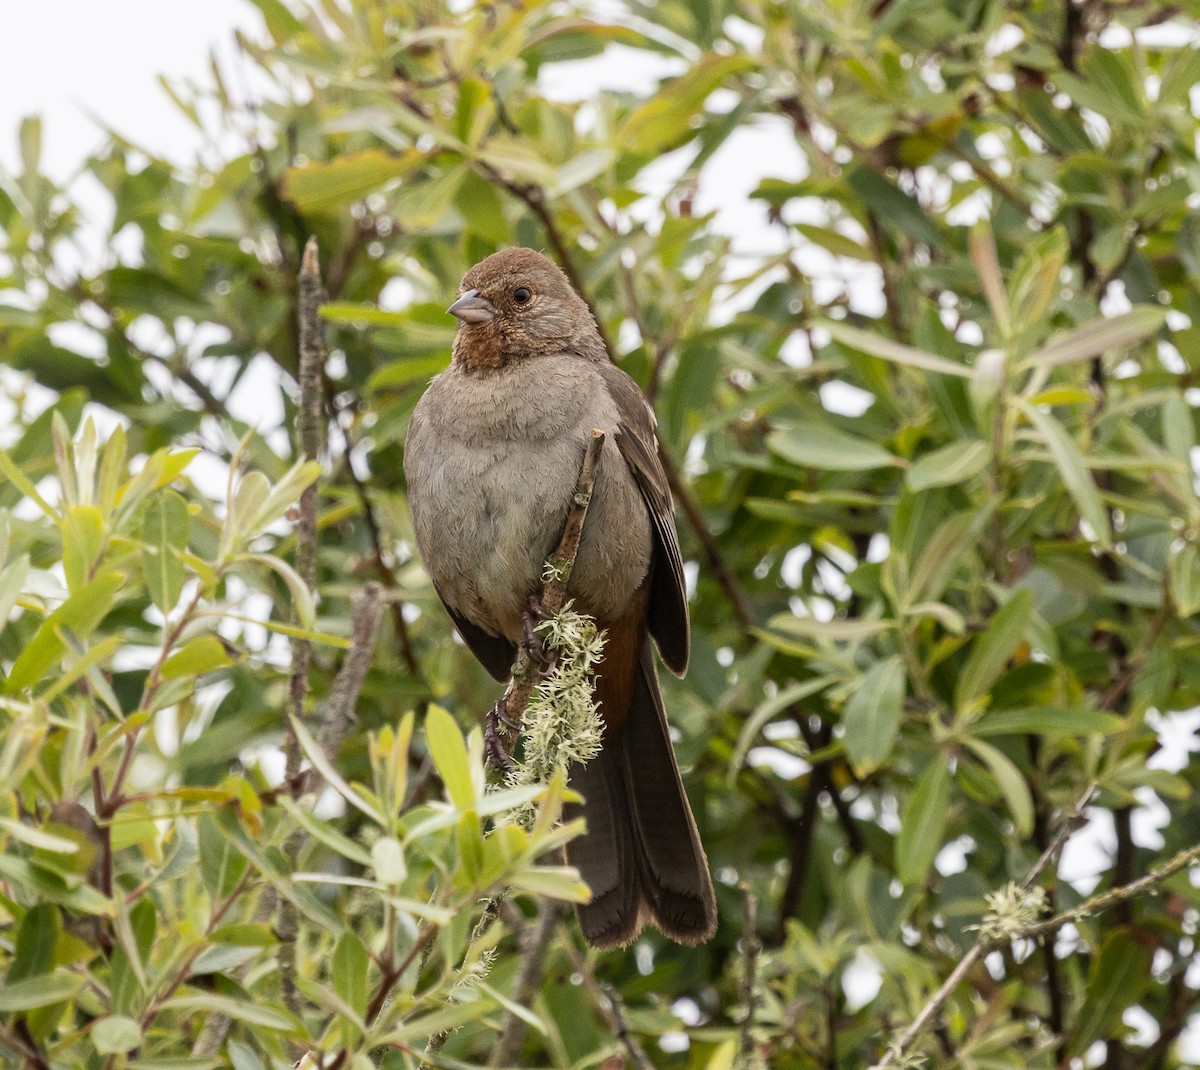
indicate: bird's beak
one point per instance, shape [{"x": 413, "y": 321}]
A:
[{"x": 471, "y": 308}]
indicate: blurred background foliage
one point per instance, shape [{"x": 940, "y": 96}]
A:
[{"x": 931, "y": 435}]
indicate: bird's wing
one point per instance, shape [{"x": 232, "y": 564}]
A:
[
  {"x": 668, "y": 611},
  {"x": 494, "y": 652}
]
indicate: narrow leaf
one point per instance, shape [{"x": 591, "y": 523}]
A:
[
  {"x": 872, "y": 716},
  {"x": 1074, "y": 472},
  {"x": 1097, "y": 337},
  {"x": 923, "y": 823}
]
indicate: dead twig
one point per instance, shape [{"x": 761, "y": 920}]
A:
[
  {"x": 534, "y": 948},
  {"x": 308, "y": 432},
  {"x": 928, "y": 1014}
]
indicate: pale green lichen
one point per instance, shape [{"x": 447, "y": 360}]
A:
[
  {"x": 562, "y": 723},
  {"x": 1011, "y": 910}
]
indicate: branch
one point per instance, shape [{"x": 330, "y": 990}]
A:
[
  {"x": 308, "y": 431},
  {"x": 716, "y": 560},
  {"x": 1113, "y": 897},
  {"x": 365, "y": 613},
  {"x": 750, "y": 947},
  {"x": 516, "y": 698},
  {"x": 928, "y": 1014},
  {"x": 529, "y": 976}
]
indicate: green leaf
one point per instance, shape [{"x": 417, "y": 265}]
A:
[
  {"x": 949, "y": 465},
  {"x": 33, "y": 950},
  {"x": 302, "y": 597},
  {"x": 1183, "y": 576},
  {"x": 12, "y": 582},
  {"x": 469, "y": 837},
  {"x": 1118, "y": 977},
  {"x": 449, "y": 752},
  {"x": 987, "y": 266},
  {"x": 953, "y": 539},
  {"x": 1010, "y": 781},
  {"x": 83, "y": 535},
  {"x": 256, "y": 1014},
  {"x": 197, "y": 657},
  {"x": 875, "y": 345},
  {"x": 827, "y": 448},
  {"x": 1075, "y": 475},
  {"x": 312, "y": 751},
  {"x": 764, "y": 713},
  {"x": 423, "y": 204},
  {"x": 335, "y": 184},
  {"x": 81, "y": 614},
  {"x": 40, "y": 991},
  {"x": 665, "y": 120},
  {"x": 1047, "y": 720},
  {"x": 893, "y": 206},
  {"x": 991, "y": 651},
  {"x": 924, "y": 823},
  {"x": 350, "y": 968},
  {"x": 835, "y": 241},
  {"x": 1097, "y": 337},
  {"x": 872, "y": 716},
  {"x": 165, "y": 532},
  {"x": 35, "y": 837},
  {"x": 557, "y": 882},
  {"x": 115, "y": 1035},
  {"x": 12, "y": 472}
]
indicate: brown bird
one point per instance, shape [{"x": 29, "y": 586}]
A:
[{"x": 493, "y": 454}]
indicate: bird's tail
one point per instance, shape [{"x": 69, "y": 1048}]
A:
[{"x": 641, "y": 855}]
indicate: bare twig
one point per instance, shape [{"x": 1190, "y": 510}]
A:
[
  {"x": 308, "y": 430},
  {"x": 339, "y": 714},
  {"x": 529, "y": 976},
  {"x": 712, "y": 552},
  {"x": 928, "y": 1014},
  {"x": 616, "y": 1015},
  {"x": 750, "y": 948},
  {"x": 491, "y": 912},
  {"x": 1114, "y": 897}
]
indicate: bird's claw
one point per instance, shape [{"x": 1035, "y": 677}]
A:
[
  {"x": 531, "y": 642},
  {"x": 493, "y": 744}
]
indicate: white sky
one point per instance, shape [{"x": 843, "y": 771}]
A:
[{"x": 71, "y": 60}]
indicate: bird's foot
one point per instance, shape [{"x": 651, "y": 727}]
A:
[
  {"x": 543, "y": 657},
  {"x": 493, "y": 730}
]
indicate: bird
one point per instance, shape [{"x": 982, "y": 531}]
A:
[{"x": 492, "y": 455}]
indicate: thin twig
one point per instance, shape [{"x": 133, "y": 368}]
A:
[
  {"x": 1113, "y": 897},
  {"x": 529, "y": 976},
  {"x": 308, "y": 431},
  {"x": 632, "y": 1045},
  {"x": 365, "y": 613},
  {"x": 491, "y": 912},
  {"x": 558, "y": 569},
  {"x": 928, "y": 1014},
  {"x": 716, "y": 559},
  {"x": 750, "y": 948}
]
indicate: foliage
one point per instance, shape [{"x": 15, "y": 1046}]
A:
[{"x": 933, "y": 457}]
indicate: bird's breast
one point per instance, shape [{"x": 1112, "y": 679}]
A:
[{"x": 492, "y": 464}]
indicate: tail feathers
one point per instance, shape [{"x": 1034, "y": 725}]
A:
[{"x": 642, "y": 855}]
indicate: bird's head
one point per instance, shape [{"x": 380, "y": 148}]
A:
[{"x": 515, "y": 305}]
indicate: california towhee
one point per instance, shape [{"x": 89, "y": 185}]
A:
[{"x": 493, "y": 454}]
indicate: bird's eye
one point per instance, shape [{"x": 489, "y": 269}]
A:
[{"x": 522, "y": 294}]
